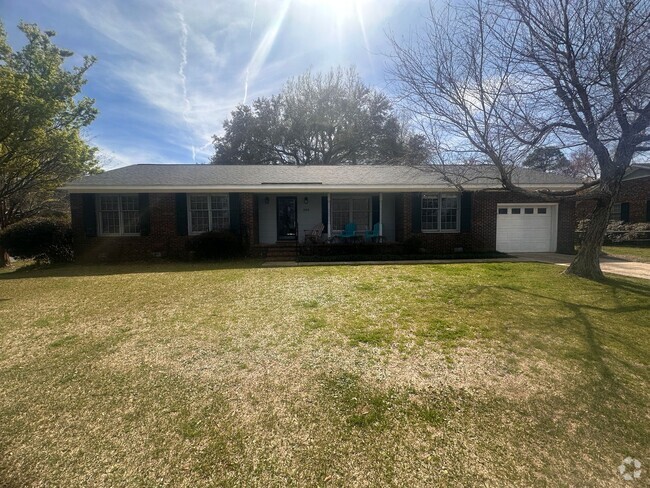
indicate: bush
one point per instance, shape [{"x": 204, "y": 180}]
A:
[
  {"x": 414, "y": 245},
  {"x": 216, "y": 245},
  {"x": 40, "y": 238},
  {"x": 619, "y": 232}
]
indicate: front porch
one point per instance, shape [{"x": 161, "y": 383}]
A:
[{"x": 289, "y": 218}]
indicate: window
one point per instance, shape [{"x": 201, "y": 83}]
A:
[
  {"x": 529, "y": 211},
  {"x": 503, "y": 211},
  {"x": 208, "y": 212},
  {"x": 515, "y": 211},
  {"x": 118, "y": 215},
  {"x": 541, "y": 210},
  {"x": 440, "y": 212},
  {"x": 351, "y": 209},
  {"x": 615, "y": 213}
]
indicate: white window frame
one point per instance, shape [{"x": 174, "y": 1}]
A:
[
  {"x": 208, "y": 196},
  {"x": 120, "y": 212},
  {"x": 440, "y": 196},
  {"x": 349, "y": 199}
]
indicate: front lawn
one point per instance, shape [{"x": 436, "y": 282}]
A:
[
  {"x": 401, "y": 375},
  {"x": 632, "y": 252}
]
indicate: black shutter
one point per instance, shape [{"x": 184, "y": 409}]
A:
[
  {"x": 145, "y": 214},
  {"x": 375, "y": 209},
  {"x": 625, "y": 212},
  {"x": 235, "y": 213},
  {"x": 324, "y": 212},
  {"x": 416, "y": 212},
  {"x": 647, "y": 211},
  {"x": 465, "y": 211},
  {"x": 181, "y": 214},
  {"x": 89, "y": 214}
]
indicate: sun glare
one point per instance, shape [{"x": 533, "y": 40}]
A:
[{"x": 341, "y": 9}]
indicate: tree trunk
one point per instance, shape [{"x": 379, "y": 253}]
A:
[
  {"x": 4, "y": 257},
  {"x": 587, "y": 262}
]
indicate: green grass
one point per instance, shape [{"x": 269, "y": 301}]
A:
[
  {"x": 635, "y": 253},
  {"x": 233, "y": 375}
]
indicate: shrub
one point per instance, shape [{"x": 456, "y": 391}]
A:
[
  {"x": 414, "y": 245},
  {"x": 216, "y": 245},
  {"x": 619, "y": 232},
  {"x": 41, "y": 238}
]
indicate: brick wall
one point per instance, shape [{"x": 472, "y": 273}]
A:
[
  {"x": 635, "y": 192},
  {"x": 162, "y": 240},
  {"x": 249, "y": 217},
  {"x": 482, "y": 235}
]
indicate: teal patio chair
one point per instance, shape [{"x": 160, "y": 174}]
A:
[
  {"x": 373, "y": 235},
  {"x": 350, "y": 231}
]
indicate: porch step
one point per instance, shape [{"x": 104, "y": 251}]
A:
[{"x": 282, "y": 251}]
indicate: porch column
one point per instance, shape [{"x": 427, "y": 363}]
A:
[
  {"x": 329, "y": 216},
  {"x": 381, "y": 214}
]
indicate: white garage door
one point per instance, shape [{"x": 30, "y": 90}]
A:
[{"x": 526, "y": 228}]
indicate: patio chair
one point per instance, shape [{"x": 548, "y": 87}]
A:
[
  {"x": 314, "y": 234},
  {"x": 373, "y": 235},
  {"x": 350, "y": 231}
]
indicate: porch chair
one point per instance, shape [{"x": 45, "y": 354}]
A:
[
  {"x": 350, "y": 231},
  {"x": 314, "y": 234},
  {"x": 373, "y": 235}
]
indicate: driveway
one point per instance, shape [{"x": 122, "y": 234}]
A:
[{"x": 608, "y": 265}]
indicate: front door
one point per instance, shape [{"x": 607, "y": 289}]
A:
[{"x": 287, "y": 218}]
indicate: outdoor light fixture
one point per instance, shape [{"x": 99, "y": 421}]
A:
[{"x": 306, "y": 201}]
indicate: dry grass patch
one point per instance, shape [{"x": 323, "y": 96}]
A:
[{"x": 204, "y": 375}]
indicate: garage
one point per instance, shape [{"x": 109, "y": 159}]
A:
[{"x": 527, "y": 227}]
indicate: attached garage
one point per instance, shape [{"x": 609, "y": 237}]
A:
[{"x": 527, "y": 227}]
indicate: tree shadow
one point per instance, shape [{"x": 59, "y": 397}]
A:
[{"x": 108, "y": 269}]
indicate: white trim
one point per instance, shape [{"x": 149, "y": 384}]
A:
[
  {"x": 440, "y": 230},
  {"x": 283, "y": 188},
  {"x": 98, "y": 216},
  {"x": 329, "y": 216},
  {"x": 189, "y": 212}
]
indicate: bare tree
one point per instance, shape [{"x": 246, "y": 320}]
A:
[{"x": 493, "y": 80}]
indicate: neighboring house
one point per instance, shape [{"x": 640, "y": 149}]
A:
[
  {"x": 633, "y": 202},
  {"x": 144, "y": 210}
]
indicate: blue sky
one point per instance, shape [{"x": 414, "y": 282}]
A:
[{"x": 170, "y": 71}]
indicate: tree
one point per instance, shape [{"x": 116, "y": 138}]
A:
[
  {"x": 549, "y": 159},
  {"x": 494, "y": 80},
  {"x": 41, "y": 119},
  {"x": 583, "y": 164},
  {"x": 331, "y": 118}
]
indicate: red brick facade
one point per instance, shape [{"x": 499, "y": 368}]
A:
[
  {"x": 482, "y": 234},
  {"x": 635, "y": 192},
  {"x": 163, "y": 239}
]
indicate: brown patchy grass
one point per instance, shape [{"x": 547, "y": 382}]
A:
[
  {"x": 208, "y": 375},
  {"x": 632, "y": 253}
]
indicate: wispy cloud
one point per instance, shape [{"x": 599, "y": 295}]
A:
[{"x": 171, "y": 71}]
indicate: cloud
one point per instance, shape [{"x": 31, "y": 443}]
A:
[{"x": 173, "y": 70}]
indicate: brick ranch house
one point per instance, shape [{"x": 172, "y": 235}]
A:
[
  {"x": 633, "y": 202},
  {"x": 144, "y": 210}
]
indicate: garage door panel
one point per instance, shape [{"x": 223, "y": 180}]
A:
[{"x": 525, "y": 232}]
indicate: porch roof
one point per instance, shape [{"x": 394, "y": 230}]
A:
[{"x": 309, "y": 179}]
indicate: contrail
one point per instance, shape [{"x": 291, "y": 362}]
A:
[
  {"x": 181, "y": 73},
  {"x": 250, "y": 37}
]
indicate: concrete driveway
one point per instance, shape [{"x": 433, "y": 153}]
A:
[{"x": 608, "y": 265}]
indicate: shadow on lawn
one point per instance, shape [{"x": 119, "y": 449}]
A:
[
  {"x": 81, "y": 270},
  {"x": 594, "y": 351}
]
